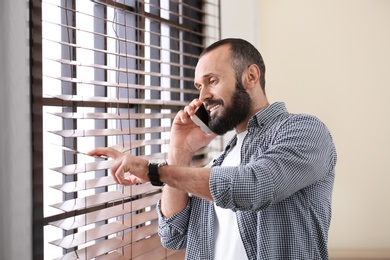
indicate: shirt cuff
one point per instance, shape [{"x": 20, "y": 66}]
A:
[
  {"x": 178, "y": 221},
  {"x": 221, "y": 186}
]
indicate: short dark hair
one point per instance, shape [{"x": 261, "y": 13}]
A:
[{"x": 243, "y": 54}]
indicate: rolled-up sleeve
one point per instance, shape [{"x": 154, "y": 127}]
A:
[
  {"x": 173, "y": 230},
  {"x": 233, "y": 189}
]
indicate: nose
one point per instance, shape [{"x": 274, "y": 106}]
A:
[{"x": 204, "y": 95}]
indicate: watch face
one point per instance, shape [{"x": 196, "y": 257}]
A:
[
  {"x": 159, "y": 162},
  {"x": 156, "y": 161}
]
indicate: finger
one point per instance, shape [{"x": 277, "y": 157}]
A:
[
  {"x": 116, "y": 175},
  {"x": 94, "y": 152},
  {"x": 189, "y": 110},
  {"x": 134, "y": 180},
  {"x": 192, "y": 107},
  {"x": 114, "y": 170},
  {"x": 105, "y": 152},
  {"x": 183, "y": 116},
  {"x": 196, "y": 102},
  {"x": 99, "y": 152},
  {"x": 120, "y": 175}
]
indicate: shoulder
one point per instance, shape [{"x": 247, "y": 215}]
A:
[
  {"x": 302, "y": 120},
  {"x": 301, "y": 126}
]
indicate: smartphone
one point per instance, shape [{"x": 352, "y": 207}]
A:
[{"x": 201, "y": 118}]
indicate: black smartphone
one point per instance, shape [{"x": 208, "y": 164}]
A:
[{"x": 201, "y": 118}]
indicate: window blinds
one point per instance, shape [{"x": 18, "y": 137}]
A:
[{"x": 108, "y": 73}]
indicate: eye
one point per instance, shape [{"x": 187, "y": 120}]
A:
[{"x": 212, "y": 81}]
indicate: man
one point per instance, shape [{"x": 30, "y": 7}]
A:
[{"x": 268, "y": 195}]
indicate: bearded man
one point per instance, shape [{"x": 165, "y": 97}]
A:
[{"x": 267, "y": 196}]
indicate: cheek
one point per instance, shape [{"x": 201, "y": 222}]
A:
[{"x": 224, "y": 92}]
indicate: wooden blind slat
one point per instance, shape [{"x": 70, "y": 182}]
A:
[
  {"x": 176, "y": 255},
  {"x": 142, "y": 247},
  {"x": 114, "y": 256},
  {"x": 101, "y": 198},
  {"x": 80, "y": 238},
  {"x": 112, "y": 244},
  {"x": 95, "y": 250},
  {"x": 135, "y": 101},
  {"x": 152, "y": 254},
  {"x": 126, "y": 85},
  {"x": 85, "y": 185},
  {"x": 114, "y": 116},
  {"x": 123, "y": 69},
  {"x": 84, "y": 237},
  {"x": 71, "y": 169},
  {"x": 90, "y": 201},
  {"x": 104, "y": 214},
  {"x": 110, "y": 132}
]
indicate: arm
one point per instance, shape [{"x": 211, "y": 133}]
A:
[
  {"x": 186, "y": 138},
  {"x": 299, "y": 154}
]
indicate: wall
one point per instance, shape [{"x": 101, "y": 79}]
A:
[
  {"x": 15, "y": 133},
  {"x": 331, "y": 59}
]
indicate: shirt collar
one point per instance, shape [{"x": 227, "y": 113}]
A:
[
  {"x": 260, "y": 119},
  {"x": 267, "y": 115}
]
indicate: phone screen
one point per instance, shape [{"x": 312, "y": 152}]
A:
[
  {"x": 201, "y": 118},
  {"x": 202, "y": 114}
]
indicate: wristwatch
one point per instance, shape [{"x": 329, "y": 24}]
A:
[{"x": 153, "y": 171}]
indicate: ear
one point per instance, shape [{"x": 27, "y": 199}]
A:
[{"x": 252, "y": 76}]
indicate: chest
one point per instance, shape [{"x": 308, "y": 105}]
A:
[{"x": 256, "y": 144}]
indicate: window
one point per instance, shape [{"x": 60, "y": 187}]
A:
[{"x": 108, "y": 73}]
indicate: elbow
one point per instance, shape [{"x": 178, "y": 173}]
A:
[{"x": 174, "y": 243}]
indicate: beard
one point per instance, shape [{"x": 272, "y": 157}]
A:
[{"x": 232, "y": 115}]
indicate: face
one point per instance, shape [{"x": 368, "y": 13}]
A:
[
  {"x": 232, "y": 114},
  {"x": 224, "y": 96}
]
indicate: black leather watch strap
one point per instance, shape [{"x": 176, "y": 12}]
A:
[{"x": 153, "y": 173}]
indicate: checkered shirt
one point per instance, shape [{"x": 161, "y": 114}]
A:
[{"x": 281, "y": 192}]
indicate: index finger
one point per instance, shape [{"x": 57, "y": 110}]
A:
[
  {"x": 193, "y": 106},
  {"x": 104, "y": 151}
]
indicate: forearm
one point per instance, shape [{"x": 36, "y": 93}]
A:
[
  {"x": 187, "y": 180},
  {"x": 180, "y": 180},
  {"x": 174, "y": 200}
]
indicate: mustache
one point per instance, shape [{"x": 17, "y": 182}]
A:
[{"x": 214, "y": 102}]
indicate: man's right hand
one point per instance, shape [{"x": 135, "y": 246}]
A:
[{"x": 185, "y": 134}]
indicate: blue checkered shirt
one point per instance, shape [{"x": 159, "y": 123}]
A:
[{"x": 281, "y": 192}]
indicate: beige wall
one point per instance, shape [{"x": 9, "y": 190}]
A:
[{"x": 332, "y": 59}]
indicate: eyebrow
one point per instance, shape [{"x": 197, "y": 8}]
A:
[{"x": 208, "y": 75}]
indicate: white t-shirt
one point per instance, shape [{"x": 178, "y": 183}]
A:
[{"x": 228, "y": 243}]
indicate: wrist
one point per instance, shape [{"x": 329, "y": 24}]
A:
[{"x": 153, "y": 173}]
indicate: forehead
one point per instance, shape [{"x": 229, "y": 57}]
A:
[{"x": 215, "y": 62}]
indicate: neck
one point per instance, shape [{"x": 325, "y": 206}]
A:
[{"x": 244, "y": 125}]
